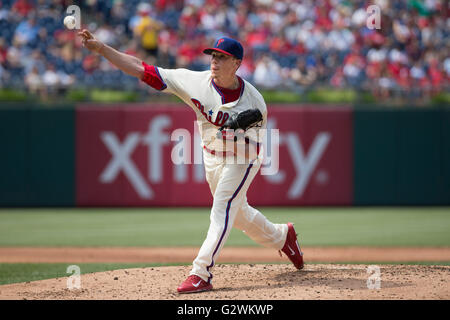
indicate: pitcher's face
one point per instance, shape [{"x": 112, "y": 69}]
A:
[{"x": 223, "y": 65}]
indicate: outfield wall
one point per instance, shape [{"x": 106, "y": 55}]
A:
[
  {"x": 37, "y": 162},
  {"x": 120, "y": 155},
  {"x": 402, "y": 157}
]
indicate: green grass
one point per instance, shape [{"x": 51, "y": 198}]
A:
[
  {"x": 23, "y": 272},
  {"x": 442, "y": 98},
  {"x": 418, "y": 226},
  {"x": 97, "y": 95},
  {"x": 383, "y": 226},
  {"x": 332, "y": 96},
  {"x": 13, "y": 95},
  {"x": 274, "y": 96}
]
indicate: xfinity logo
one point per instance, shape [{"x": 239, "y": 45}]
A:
[
  {"x": 121, "y": 161},
  {"x": 304, "y": 161},
  {"x": 160, "y": 135},
  {"x": 155, "y": 139}
]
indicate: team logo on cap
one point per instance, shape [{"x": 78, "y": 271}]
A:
[{"x": 219, "y": 42}]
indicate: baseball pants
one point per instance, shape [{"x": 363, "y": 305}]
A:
[{"x": 229, "y": 183}]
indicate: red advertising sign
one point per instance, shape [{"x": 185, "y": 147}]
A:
[
  {"x": 315, "y": 158},
  {"x": 124, "y": 157}
]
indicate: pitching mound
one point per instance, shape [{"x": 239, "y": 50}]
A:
[{"x": 316, "y": 281}]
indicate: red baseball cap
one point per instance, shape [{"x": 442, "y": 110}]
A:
[{"x": 227, "y": 46}]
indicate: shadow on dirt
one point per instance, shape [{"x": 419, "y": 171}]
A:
[{"x": 334, "y": 279}]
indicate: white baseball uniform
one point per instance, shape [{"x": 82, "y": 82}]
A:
[{"x": 228, "y": 180}]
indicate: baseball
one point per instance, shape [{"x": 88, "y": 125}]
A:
[{"x": 69, "y": 22}]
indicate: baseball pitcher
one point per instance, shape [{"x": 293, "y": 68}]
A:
[{"x": 231, "y": 116}]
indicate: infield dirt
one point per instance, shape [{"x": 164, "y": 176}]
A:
[
  {"x": 315, "y": 281},
  {"x": 240, "y": 281},
  {"x": 227, "y": 255}
]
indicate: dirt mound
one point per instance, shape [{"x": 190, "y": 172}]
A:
[{"x": 320, "y": 281}]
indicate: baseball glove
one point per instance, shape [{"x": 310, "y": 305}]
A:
[
  {"x": 238, "y": 123},
  {"x": 243, "y": 120}
]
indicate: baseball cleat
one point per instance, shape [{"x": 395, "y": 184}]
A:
[
  {"x": 194, "y": 284},
  {"x": 292, "y": 249}
]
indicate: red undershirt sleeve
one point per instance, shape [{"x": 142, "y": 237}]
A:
[{"x": 152, "y": 77}]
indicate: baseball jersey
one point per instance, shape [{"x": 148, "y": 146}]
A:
[{"x": 198, "y": 90}]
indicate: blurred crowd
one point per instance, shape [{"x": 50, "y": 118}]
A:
[{"x": 288, "y": 44}]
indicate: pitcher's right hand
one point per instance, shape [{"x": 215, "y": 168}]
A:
[{"x": 90, "y": 42}]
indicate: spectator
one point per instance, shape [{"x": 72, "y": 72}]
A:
[
  {"x": 353, "y": 70},
  {"x": 3, "y": 51},
  {"x": 384, "y": 85},
  {"x": 2, "y": 76},
  {"x": 401, "y": 31},
  {"x": 435, "y": 75},
  {"x": 398, "y": 68},
  {"x": 50, "y": 79},
  {"x": 447, "y": 67},
  {"x": 118, "y": 13},
  {"x": 27, "y": 31},
  {"x": 303, "y": 75},
  {"x": 418, "y": 74},
  {"x": 246, "y": 69},
  {"x": 34, "y": 82},
  {"x": 21, "y": 8},
  {"x": 211, "y": 19},
  {"x": 267, "y": 73},
  {"x": 187, "y": 53},
  {"x": 189, "y": 20},
  {"x": 65, "y": 80},
  {"x": 410, "y": 51},
  {"x": 35, "y": 61},
  {"x": 338, "y": 80},
  {"x": 15, "y": 55},
  {"x": 341, "y": 38},
  {"x": 4, "y": 12},
  {"x": 106, "y": 34},
  {"x": 147, "y": 30},
  {"x": 143, "y": 9}
]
